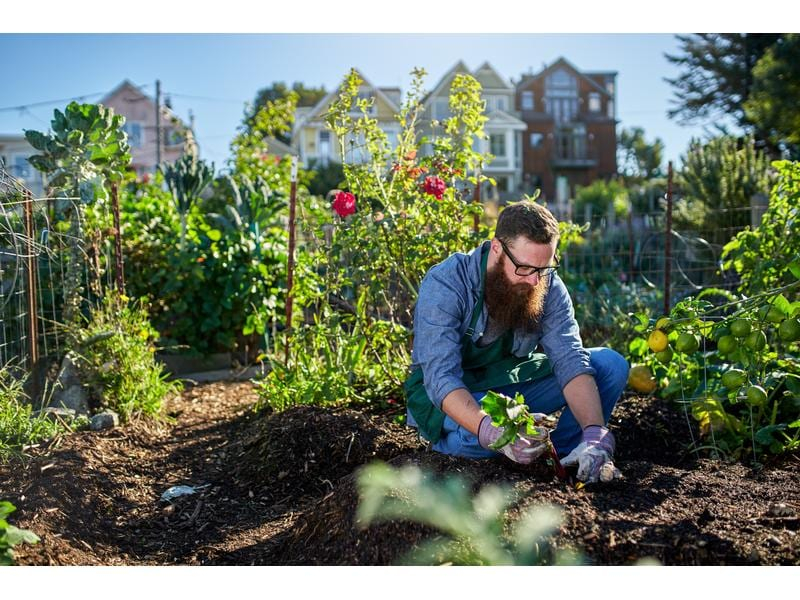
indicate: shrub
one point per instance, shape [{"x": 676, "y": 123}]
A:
[
  {"x": 115, "y": 353},
  {"x": 19, "y": 426}
]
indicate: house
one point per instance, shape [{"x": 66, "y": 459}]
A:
[
  {"x": 503, "y": 128},
  {"x": 139, "y": 111},
  {"x": 570, "y": 137},
  {"x": 316, "y": 144},
  {"x": 14, "y": 153}
]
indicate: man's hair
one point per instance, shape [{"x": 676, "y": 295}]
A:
[{"x": 528, "y": 219}]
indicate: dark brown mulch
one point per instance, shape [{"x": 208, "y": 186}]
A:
[{"x": 280, "y": 489}]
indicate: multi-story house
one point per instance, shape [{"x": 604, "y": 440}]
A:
[
  {"x": 503, "y": 128},
  {"x": 570, "y": 138},
  {"x": 316, "y": 144},
  {"x": 14, "y": 153},
  {"x": 139, "y": 111}
]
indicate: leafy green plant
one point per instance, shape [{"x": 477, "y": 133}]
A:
[
  {"x": 765, "y": 258},
  {"x": 116, "y": 354},
  {"x": 339, "y": 359},
  {"x": 11, "y": 536},
  {"x": 19, "y": 425},
  {"x": 186, "y": 179},
  {"x": 738, "y": 375},
  {"x": 86, "y": 149},
  {"x": 222, "y": 290},
  {"x": 475, "y": 528}
]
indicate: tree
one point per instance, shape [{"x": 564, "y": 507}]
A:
[
  {"x": 306, "y": 96},
  {"x": 718, "y": 180},
  {"x": 639, "y": 160},
  {"x": 717, "y": 76},
  {"x": 772, "y": 104}
]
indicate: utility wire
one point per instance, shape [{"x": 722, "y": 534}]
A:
[{"x": 23, "y": 107}]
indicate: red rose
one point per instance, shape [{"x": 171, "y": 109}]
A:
[
  {"x": 344, "y": 203},
  {"x": 434, "y": 186}
]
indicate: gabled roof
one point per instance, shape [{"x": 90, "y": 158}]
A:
[
  {"x": 563, "y": 62},
  {"x": 490, "y": 78},
  {"x": 459, "y": 67},
  {"x": 323, "y": 104},
  {"x": 134, "y": 89}
]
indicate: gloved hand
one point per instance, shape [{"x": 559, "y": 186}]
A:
[
  {"x": 594, "y": 456},
  {"x": 524, "y": 450}
]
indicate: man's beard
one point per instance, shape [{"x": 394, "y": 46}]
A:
[{"x": 514, "y": 306}]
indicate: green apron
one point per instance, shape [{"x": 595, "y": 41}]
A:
[{"x": 485, "y": 368}]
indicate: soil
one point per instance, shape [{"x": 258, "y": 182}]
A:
[{"x": 279, "y": 489}]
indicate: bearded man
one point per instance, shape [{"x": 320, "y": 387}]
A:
[{"x": 500, "y": 318}]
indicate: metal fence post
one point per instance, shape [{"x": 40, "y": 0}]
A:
[
  {"x": 290, "y": 262},
  {"x": 33, "y": 341},
  {"x": 668, "y": 242},
  {"x": 119, "y": 263}
]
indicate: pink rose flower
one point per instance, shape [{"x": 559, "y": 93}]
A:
[
  {"x": 434, "y": 186},
  {"x": 344, "y": 203}
]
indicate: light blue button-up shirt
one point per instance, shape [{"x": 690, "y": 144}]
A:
[{"x": 448, "y": 294}]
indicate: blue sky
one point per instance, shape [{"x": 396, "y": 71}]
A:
[{"x": 223, "y": 71}]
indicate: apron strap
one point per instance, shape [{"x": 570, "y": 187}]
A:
[{"x": 476, "y": 312}]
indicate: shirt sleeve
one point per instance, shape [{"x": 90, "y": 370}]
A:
[
  {"x": 561, "y": 338},
  {"x": 438, "y": 319}
]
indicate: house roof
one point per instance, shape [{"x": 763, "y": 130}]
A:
[
  {"x": 131, "y": 87},
  {"x": 316, "y": 110},
  {"x": 275, "y": 146},
  {"x": 459, "y": 67},
  {"x": 563, "y": 62},
  {"x": 490, "y": 78}
]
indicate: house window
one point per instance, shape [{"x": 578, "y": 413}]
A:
[
  {"x": 173, "y": 137},
  {"x": 594, "y": 102},
  {"x": 501, "y": 103},
  {"x": 441, "y": 109},
  {"x": 324, "y": 146},
  {"x": 561, "y": 91},
  {"x": 134, "y": 131},
  {"x": 527, "y": 100},
  {"x": 537, "y": 139},
  {"x": 610, "y": 109},
  {"x": 497, "y": 144}
]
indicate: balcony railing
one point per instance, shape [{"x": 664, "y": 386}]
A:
[{"x": 573, "y": 151}]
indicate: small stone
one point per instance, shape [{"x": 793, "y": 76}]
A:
[
  {"x": 773, "y": 541},
  {"x": 105, "y": 420},
  {"x": 780, "y": 509},
  {"x": 74, "y": 397}
]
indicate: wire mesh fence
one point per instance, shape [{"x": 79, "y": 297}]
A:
[
  {"x": 35, "y": 249},
  {"x": 649, "y": 261}
]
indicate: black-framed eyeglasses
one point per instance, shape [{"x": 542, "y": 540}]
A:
[{"x": 527, "y": 270}]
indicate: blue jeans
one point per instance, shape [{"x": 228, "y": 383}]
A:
[{"x": 544, "y": 396}]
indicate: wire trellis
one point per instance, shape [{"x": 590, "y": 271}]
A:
[{"x": 40, "y": 244}]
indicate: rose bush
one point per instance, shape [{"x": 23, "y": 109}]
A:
[{"x": 358, "y": 271}]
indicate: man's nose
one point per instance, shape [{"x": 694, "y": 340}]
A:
[{"x": 532, "y": 279}]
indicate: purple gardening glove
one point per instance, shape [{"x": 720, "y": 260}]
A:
[
  {"x": 594, "y": 456},
  {"x": 524, "y": 450}
]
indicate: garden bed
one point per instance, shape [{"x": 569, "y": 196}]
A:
[{"x": 280, "y": 490}]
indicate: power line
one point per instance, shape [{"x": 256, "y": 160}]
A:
[{"x": 23, "y": 107}]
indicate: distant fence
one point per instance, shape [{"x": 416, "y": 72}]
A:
[
  {"x": 34, "y": 248},
  {"x": 653, "y": 259},
  {"x": 621, "y": 266}
]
